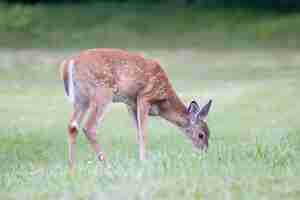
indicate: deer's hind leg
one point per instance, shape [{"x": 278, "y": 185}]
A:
[
  {"x": 73, "y": 128},
  {"x": 98, "y": 106}
]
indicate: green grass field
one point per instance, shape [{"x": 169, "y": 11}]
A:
[
  {"x": 254, "y": 149},
  {"x": 145, "y": 27}
]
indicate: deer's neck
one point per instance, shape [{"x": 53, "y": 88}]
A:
[{"x": 175, "y": 111}]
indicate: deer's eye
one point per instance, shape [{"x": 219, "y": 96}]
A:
[{"x": 201, "y": 136}]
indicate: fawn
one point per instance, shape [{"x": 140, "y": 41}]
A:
[{"x": 95, "y": 78}]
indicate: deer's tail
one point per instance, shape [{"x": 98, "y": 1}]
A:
[{"x": 67, "y": 72}]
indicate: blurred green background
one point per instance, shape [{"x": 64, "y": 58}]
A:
[
  {"x": 242, "y": 54},
  {"x": 206, "y": 24}
]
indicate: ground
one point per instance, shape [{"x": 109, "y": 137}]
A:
[{"x": 253, "y": 152}]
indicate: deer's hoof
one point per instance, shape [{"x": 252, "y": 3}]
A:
[{"x": 101, "y": 157}]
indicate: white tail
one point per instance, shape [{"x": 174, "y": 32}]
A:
[{"x": 71, "y": 95}]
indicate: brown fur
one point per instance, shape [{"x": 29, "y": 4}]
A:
[{"x": 110, "y": 75}]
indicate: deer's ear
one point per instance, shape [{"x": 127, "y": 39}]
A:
[
  {"x": 193, "y": 111},
  {"x": 204, "y": 110},
  {"x": 193, "y": 108}
]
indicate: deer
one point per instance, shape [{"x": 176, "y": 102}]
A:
[{"x": 95, "y": 78}]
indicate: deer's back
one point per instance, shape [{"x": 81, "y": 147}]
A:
[{"x": 127, "y": 74}]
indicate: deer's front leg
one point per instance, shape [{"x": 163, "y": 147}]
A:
[{"x": 142, "y": 115}]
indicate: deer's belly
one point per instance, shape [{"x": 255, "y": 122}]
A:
[
  {"x": 118, "y": 98},
  {"x": 154, "y": 110}
]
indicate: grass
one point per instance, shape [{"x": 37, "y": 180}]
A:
[
  {"x": 144, "y": 26},
  {"x": 245, "y": 60},
  {"x": 254, "y": 148}
]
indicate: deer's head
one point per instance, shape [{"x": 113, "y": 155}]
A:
[{"x": 197, "y": 129}]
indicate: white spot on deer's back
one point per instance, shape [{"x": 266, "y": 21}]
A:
[{"x": 90, "y": 50}]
